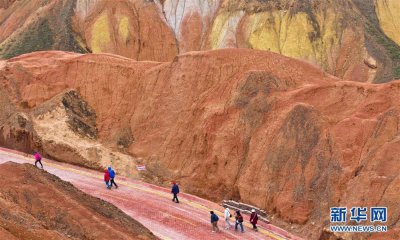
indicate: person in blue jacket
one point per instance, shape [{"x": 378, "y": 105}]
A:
[
  {"x": 175, "y": 191},
  {"x": 214, "y": 221},
  {"x": 112, "y": 176}
]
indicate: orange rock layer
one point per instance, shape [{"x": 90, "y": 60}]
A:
[
  {"x": 355, "y": 40},
  {"x": 249, "y": 125}
]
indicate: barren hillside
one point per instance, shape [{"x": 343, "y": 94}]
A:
[
  {"x": 37, "y": 205},
  {"x": 249, "y": 125},
  {"x": 356, "y": 40}
]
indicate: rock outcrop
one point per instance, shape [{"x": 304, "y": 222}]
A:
[
  {"x": 336, "y": 35},
  {"x": 63, "y": 128},
  {"x": 247, "y": 125},
  {"x": 37, "y": 205}
]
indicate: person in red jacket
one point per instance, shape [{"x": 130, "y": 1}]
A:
[
  {"x": 107, "y": 178},
  {"x": 254, "y": 219}
]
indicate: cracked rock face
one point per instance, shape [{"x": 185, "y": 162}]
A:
[
  {"x": 81, "y": 118},
  {"x": 64, "y": 128},
  {"x": 238, "y": 124},
  {"x": 336, "y": 35}
]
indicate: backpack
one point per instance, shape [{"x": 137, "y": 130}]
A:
[
  {"x": 240, "y": 218},
  {"x": 215, "y": 218}
]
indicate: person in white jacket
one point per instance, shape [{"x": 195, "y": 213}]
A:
[{"x": 227, "y": 216}]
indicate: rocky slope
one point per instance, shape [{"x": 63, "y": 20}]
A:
[
  {"x": 355, "y": 40},
  {"x": 62, "y": 128},
  {"x": 249, "y": 125},
  {"x": 37, "y": 205}
]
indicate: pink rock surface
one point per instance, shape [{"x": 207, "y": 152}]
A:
[{"x": 152, "y": 206}]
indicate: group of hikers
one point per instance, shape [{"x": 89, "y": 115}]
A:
[
  {"x": 238, "y": 220},
  {"x": 109, "y": 173},
  {"x": 109, "y": 176},
  {"x": 227, "y": 215}
]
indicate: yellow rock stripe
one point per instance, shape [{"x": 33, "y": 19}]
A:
[
  {"x": 388, "y": 12},
  {"x": 100, "y": 34}
]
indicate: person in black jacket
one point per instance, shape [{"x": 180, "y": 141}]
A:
[
  {"x": 214, "y": 221},
  {"x": 175, "y": 191}
]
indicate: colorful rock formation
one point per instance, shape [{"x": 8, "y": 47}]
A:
[
  {"x": 355, "y": 40},
  {"x": 249, "y": 125}
]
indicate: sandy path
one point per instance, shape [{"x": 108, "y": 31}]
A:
[{"x": 151, "y": 205}]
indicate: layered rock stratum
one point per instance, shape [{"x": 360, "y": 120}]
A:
[
  {"x": 248, "y": 125},
  {"x": 37, "y": 205},
  {"x": 356, "y": 40}
]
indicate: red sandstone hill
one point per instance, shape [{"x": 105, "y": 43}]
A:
[
  {"x": 37, "y": 205},
  {"x": 356, "y": 40},
  {"x": 254, "y": 126}
]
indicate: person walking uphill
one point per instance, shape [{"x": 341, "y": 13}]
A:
[
  {"x": 112, "y": 176},
  {"x": 38, "y": 159},
  {"x": 175, "y": 191},
  {"x": 254, "y": 219},
  {"x": 239, "y": 221},
  {"x": 107, "y": 178},
  {"x": 227, "y": 216},
  {"x": 214, "y": 221}
]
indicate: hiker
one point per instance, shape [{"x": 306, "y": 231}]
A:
[
  {"x": 214, "y": 221},
  {"x": 254, "y": 219},
  {"x": 38, "y": 159},
  {"x": 175, "y": 191},
  {"x": 107, "y": 178},
  {"x": 239, "y": 221},
  {"x": 112, "y": 176},
  {"x": 227, "y": 216}
]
